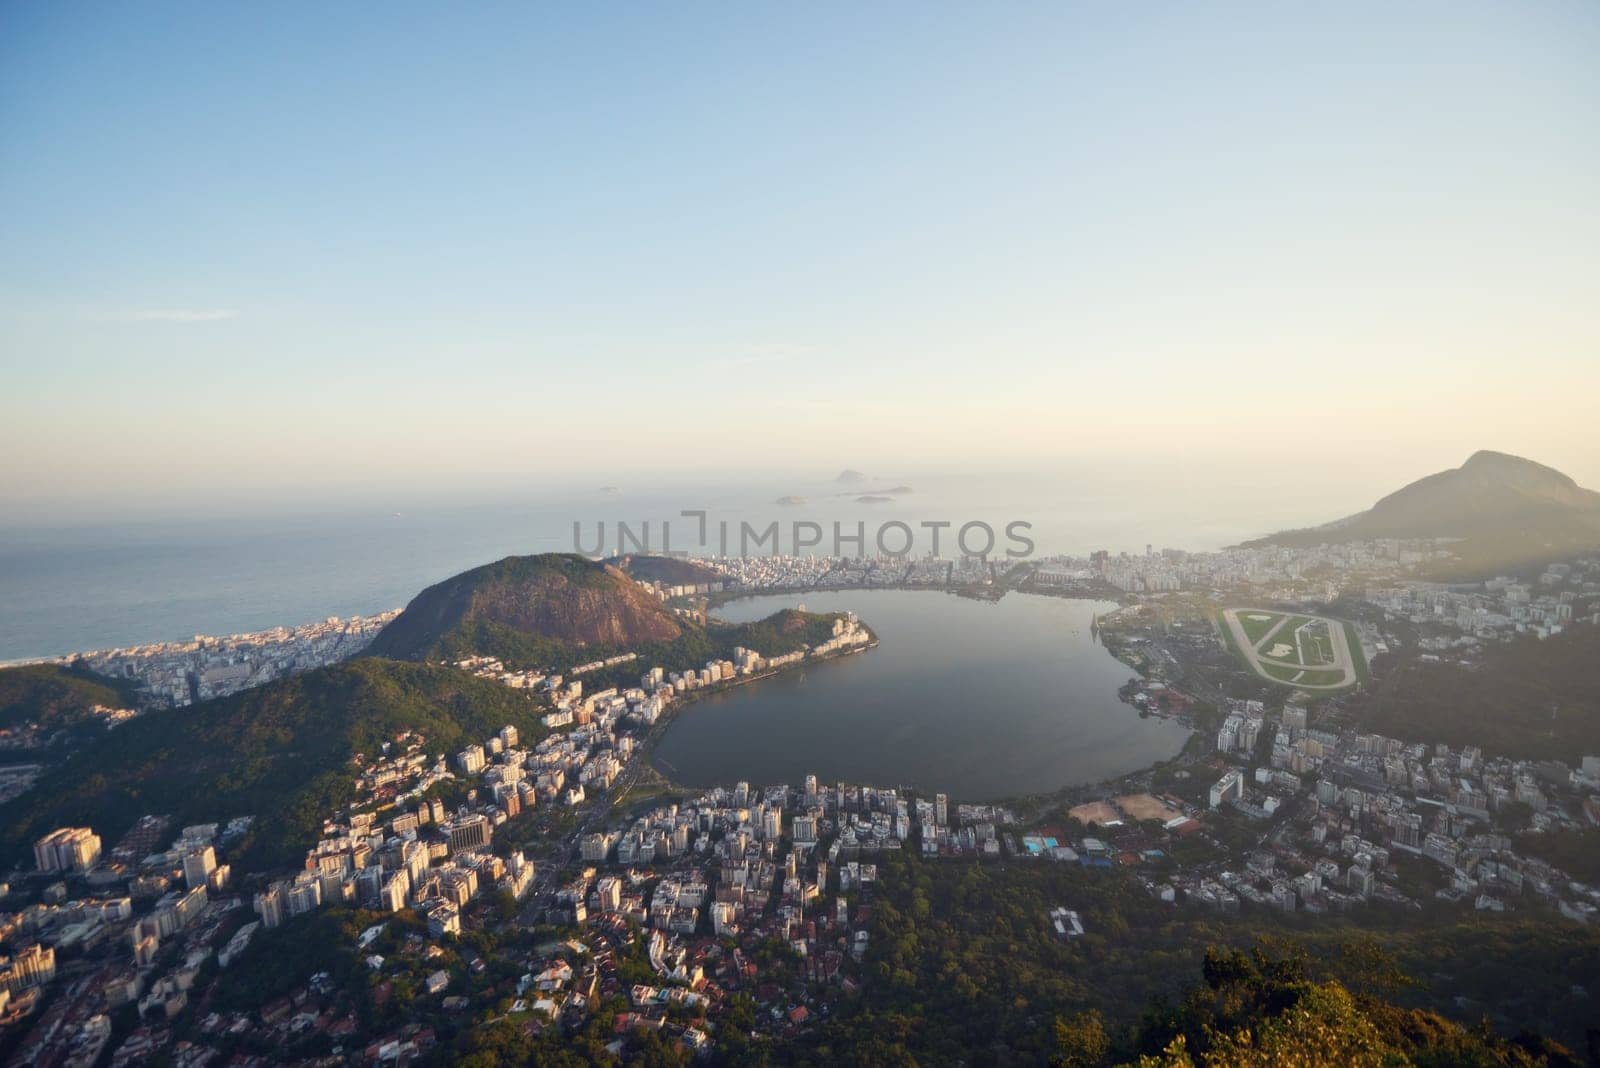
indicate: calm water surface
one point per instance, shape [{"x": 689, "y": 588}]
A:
[
  {"x": 94, "y": 585},
  {"x": 975, "y": 699}
]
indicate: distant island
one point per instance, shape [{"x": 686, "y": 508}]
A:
[
  {"x": 851, "y": 477},
  {"x": 790, "y": 500},
  {"x": 873, "y": 498}
]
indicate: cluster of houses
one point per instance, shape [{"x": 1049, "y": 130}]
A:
[
  {"x": 1362, "y": 800},
  {"x": 180, "y": 673},
  {"x": 1458, "y": 618}
]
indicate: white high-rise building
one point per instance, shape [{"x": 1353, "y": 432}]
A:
[
  {"x": 198, "y": 864},
  {"x": 67, "y": 849}
]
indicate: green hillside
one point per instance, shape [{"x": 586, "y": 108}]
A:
[
  {"x": 282, "y": 752},
  {"x": 55, "y": 697}
]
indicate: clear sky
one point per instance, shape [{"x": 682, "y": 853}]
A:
[{"x": 280, "y": 249}]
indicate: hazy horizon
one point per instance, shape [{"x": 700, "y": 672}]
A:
[
  {"x": 301, "y": 256},
  {"x": 1243, "y": 498}
]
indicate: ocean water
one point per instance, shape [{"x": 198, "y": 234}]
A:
[
  {"x": 980, "y": 700},
  {"x": 93, "y": 585}
]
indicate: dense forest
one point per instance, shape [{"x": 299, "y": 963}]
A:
[
  {"x": 1528, "y": 698},
  {"x": 964, "y": 965},
  {"x": 1576, "y": 851}
]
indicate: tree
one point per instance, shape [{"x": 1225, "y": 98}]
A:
[{"x": 1081, "y": 1042}]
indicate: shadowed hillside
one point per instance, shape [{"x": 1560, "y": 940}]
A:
[{"x": 1506, "y": 512}]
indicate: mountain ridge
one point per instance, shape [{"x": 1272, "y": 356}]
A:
[{"x": 1499, "y": 510}]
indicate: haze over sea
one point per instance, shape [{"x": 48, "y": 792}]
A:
[{"x": 81, "y": 585}]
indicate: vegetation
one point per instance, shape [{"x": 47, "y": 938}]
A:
[
  {"x": 558, "y": 610},
  {"x": 1319, "y": 678},
  {"x": 1526, "y": 698},
  {"x": 964, "y": 966},
  {"x": 283, "y": 752},
  {"x": 1576, "y": 852},
  {"x": 1261, "y": 1009},
  {"x": 783, "y": 632},
  {"x": 1256, "y": 629},
  {"x": 56, "y": 697},
  {"x": 1358, "y": 655},
  {"x": 533, "y": 610}
]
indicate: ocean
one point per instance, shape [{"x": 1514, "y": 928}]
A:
[{"x": 95, "y": 585}]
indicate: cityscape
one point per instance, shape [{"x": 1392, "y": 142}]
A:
[
  {"x": 799, "y": 536},
  {"x": 1284, "y": 804}
]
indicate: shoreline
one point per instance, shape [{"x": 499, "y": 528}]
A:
[{"x": 1010, "y": 800}]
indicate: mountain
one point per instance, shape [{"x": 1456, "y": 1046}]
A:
[
  {"x": 1503, "y": 511},
  {"x": 282, "y": 752},
  {"x": 851, "y": 477},
  {"x": 557, "y": 610},
  {"x": 527, "y": 608}
]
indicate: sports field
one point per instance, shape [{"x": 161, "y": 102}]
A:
[
  {"x": 1311, "y": 652},
  {"x": 1147, "y": 807},
  {"x": 1099, "y": 812}
]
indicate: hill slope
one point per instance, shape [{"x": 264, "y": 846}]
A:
[
  {"x": 55, "y": 697},
  {"x": 1507, "y": 511},
  {"x": 281, "y": 751},
  {"x": 527, "y": 607},
  {"x": 1528, "y": 698}
]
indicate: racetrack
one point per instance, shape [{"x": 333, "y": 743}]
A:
[{"x": 1343, "y": 662}]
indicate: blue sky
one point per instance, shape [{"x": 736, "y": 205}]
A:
[{"x": 288, "y": 248}]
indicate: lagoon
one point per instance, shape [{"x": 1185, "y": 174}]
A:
[{"x": 977, "y": 699}]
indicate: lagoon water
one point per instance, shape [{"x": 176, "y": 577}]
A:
[{"x": 976, "y": 699}]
